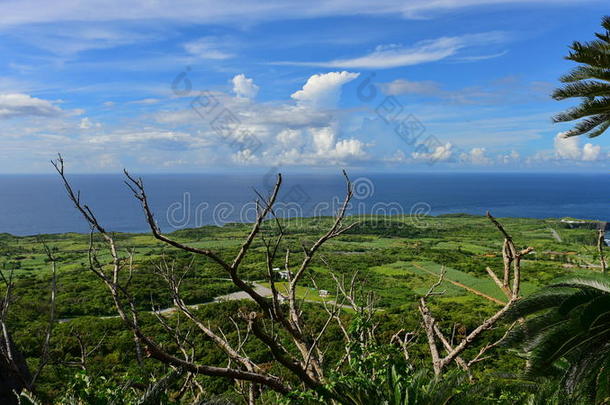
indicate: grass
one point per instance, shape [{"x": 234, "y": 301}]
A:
[
  {"x": 429, "y": 272},
  {"x": 306, "y": 293},
  {"x": 464, "y": 246},
  {"x": 397, "y": 262}
]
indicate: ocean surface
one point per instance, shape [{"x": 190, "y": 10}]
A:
[{"x": 36, "y": 204}]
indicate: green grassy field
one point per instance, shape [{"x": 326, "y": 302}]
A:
[
  {"x": 430, "y": 272},
  {"x": 392, "y": 258},
  {"x": 306, "y": 293}
]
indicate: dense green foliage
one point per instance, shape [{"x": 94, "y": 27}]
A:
[
  {"x": 394, "y": 257},
  {"x": 570, "y": 334}
]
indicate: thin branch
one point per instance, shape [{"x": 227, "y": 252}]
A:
[
  {"x": 512, "y": 257},
  {"x": 121, "y": 296},
  {"x": 137, "y": 187},
  {"x": 499, "y": 283},
  {"x": 486, "y": 348}
]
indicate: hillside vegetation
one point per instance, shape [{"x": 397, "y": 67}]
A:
[{"x": 396, "y": 258}]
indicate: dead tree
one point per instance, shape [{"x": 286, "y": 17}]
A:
[
  {"x": 601, "y": 243},
  {"x": 15, "y": 375},
  {"x": 86, "y": 350},
  {"x": 364, "y": 309},
  {"x": 512, "y": 268},
  {"x": 277, "y": 320}
]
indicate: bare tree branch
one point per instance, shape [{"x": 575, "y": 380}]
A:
[
  {"x": 308, "y": 369},
  {"x": 124, "y": 303},
  {"x": 601, "y": 242},
  {"x": 512, "y": 266}
]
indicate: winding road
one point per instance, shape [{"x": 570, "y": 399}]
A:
[{"x": 235, "y": 296}]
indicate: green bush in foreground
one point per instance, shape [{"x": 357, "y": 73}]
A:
[{"x": 568, "y": 335}]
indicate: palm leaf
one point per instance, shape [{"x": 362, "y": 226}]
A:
[
  {"x": 586, "y": 73},
  {"x": 578, "y": 298},
  {"x": 544, "y": 299},
  {"x": 582, "y": 89},
  {"x": 594, "y": 57},
  {"x": 599, "y": 282},
  {"x": 603, "y": 384},
  {"x": 586, "y": 108},
  {"x": 568, "y": 322}
]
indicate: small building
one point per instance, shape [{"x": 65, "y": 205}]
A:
[
  {"x": 324, "y": 293},
  {"x": 285, "y": 274}
]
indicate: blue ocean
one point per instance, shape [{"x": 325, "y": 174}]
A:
[{"x": 36, "y": 204}]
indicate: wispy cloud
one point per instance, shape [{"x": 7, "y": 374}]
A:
[
  {"x": 420, "y": 9},
  {"x": 404, "y": 86},
  {"x": 147, "y": 101},
  {"x": 505, "y": 90},
  {"x": 477, "y": 58},
  {"x": 240, "y": 11},
  {"x": 72, "y": 38},
  {"x": 391, "y": 56},
  {"x": 209, "y": 48},
  {"x": 22, "y": 105}
]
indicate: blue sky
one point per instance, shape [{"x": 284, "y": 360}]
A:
[{"x": 212, "y": 86}]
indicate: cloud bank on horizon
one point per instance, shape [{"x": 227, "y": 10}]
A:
[{"x": 390, "y": 85}]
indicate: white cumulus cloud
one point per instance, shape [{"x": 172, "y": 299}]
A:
[
  {"x": 314, "y": 146},
  {"x": 323, "y": 90},
  {"x": 591, "y": 152},
  {"x": 476, "y": 156},
  {"x": 567, "y": 147},
  {"x": 323, "y": 139},
  {"x": 85, "y": 123},
  {"x": 508, "y": 158},
  {"x": 244, "y": 87},
  {"x": 440, "y": 153},
  {"x": 349, "y": 148}
]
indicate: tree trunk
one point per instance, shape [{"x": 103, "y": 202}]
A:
[{"x": 14, "y": 372}]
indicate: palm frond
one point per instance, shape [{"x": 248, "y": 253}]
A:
[
  {"x": 603, "y": 383},
  {"x": 582, "y": 89},
  {"x": 599, "y": 282},
  {"x": 591, "y": 82},
  {"x": 599, "y": 130},
  {"x": 578, "y": 298},
  {"x": 586, "y": 108},
  {"x": 606, "y": 22},
  {"x": 568, "y": 322},
  {"x": 544, "y": 299},
  {"x": 586, "y": 73},
  {"x": 592, "y": 126},
  {"x": 594, "y": 53}
]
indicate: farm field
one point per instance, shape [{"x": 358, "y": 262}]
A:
[{"x": 392, "y": 258}]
